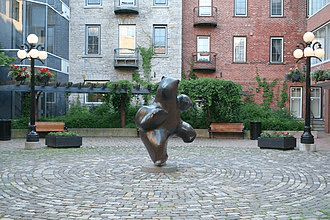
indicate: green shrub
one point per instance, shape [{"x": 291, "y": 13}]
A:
[
  {"x": 20, "y": 123},
  {"x": 221, "y": 99},
  {"x": 278, "y": 120},
  {"x": 196, "y": 117},
  {"x": 63, "y": 134}
]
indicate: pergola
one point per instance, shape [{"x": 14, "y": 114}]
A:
[{"x": 56, "y": 87}]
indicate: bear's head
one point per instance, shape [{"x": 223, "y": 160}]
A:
[{"x": 167, "y": 89}]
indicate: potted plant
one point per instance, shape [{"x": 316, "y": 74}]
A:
[
  {"x": 18, "y": 73},
  {"x": 277, "y": 140},
  {"x": 63, "y": 139}
]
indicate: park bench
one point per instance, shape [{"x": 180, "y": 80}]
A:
[
  {"x": 43, "y": 128},
  {"x": 226, "y": 128}
]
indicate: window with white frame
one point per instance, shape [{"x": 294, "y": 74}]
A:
[
  {"x": 203, "y": 48},
  {"x": 160, "y": 2},
  {"x": 315, "y": 5},
  {"x": 93, "y": 2},
  {"x": 240, "y": 49},
  {"x": 93, "y": 42},
  {"x": 276, "y": 50},
  {"x": 240, "y": 7},
  {"x": 94, "y": 98},
  {"x": 205, "y": 7},
  {"x": 159, "y": 40},
  {"x": 296, "y": 101},
  {"x": 276, "y": 8},
  {"x": 316, "y": 102}
]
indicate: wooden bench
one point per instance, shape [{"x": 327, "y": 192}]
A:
[
  {"x": 44, "y": 128},
  {"x": 219, "y": 127}
]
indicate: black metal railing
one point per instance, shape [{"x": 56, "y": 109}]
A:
[
  {"x": 126, "y": 58},
  {"x": 205, "y": 16},
  {"x": 204, "y": 61},
  {"x": 126, "y": 7}
]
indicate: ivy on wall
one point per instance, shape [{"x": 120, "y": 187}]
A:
[
  {"x": 268, "y": 89},
  {"x": 146, "y": 54}
]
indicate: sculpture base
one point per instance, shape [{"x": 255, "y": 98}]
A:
[
  {"x": 307, "y": 147},
  {"x": 168, "y": 168},
  {"x": 32, "y": 145}
]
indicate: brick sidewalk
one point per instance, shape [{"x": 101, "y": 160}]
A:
[{"x": 216, "y": 179}]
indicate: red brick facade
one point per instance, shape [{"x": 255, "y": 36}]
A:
[
  {"x": 315, "y": 22},
  {"x": 258, "y": 27}
]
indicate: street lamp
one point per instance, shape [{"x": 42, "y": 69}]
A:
[
  {"x": 308, "y": 50},
  {"x": 32, "y": 53}
]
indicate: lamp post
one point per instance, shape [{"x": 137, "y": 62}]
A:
[
  {"x": 307, "y": 50},
  {"x": 32, "y": 53}
]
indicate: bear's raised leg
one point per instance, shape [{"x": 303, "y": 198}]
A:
[{"x": 156, "y": 144}]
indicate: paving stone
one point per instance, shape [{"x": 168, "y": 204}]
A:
[{"x": 216, "y": 179}]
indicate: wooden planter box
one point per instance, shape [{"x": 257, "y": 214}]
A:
[
  {"x": 286, "y": 143},
  {"x": 63, "y": 141}
]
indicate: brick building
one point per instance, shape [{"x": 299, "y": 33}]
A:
[
  {"x": 105, "y": 35},
  {"x": 234, "y": 40},
  {"x": 319, "y": 23}
]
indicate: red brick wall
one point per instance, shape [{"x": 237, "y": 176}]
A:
[{"x": 258, "y": 27}]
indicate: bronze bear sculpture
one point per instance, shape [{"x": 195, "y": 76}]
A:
[{"x": 161, "y": 119}]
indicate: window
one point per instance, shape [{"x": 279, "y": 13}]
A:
[
  {"x": 50, "y": 39},
  {"x": 316, "y": 102},
  {"x": 240, "y": 49},
  {"x": 93, "y": 2},
  {"x": 296, "y": 101},
  {"x": 94, "y": 98},
  {"x": 276, "y": 8},
  {"x": 126, "y": 39},
  {"x": 16, "y": 10},
  {"x": 50, "y": 104},
  {"x": 205, "y": 8},
  {"x": 240, "y": 7},
  {"x": 276, "y": 53},
  {"x": 315, "y": 5},
  {"x": 93, "y": 39},
  {"x": 160, "y": 41},
  {"x": 160, "y": 2},
  {"x": 203, "y": 48}
]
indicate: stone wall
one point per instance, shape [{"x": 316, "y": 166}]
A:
[{"x": 101, "y": 67}]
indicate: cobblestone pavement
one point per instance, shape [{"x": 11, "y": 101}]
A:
[{"x": 216, "y": 179}]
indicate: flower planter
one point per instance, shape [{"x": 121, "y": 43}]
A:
[
  {"x": 282, "y": 143},
  {"x": 63, "y": 141}
]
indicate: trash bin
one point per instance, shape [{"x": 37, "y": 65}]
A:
[
  {"x": 255, "y": 130},
  {"x": 5, "y": 129}
]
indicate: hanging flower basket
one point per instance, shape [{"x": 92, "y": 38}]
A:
[
  {"x": 44, "y": 75},
  {"x": 296, "y": 76},
  {"x": 18, "y": 73}
]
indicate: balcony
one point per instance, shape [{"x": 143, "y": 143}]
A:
[
  {"x": 126, "y": 58},
  {"x": 205, "y": 16},
  {"x": 205, "y": 62},
  {"x": 126, "y": 7}
]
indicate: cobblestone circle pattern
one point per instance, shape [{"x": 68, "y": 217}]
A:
[{"x": 106, "y": 182}]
